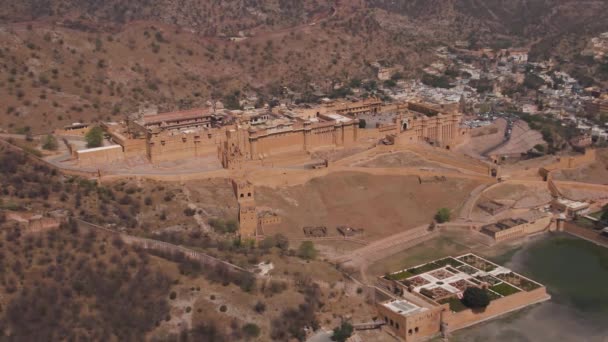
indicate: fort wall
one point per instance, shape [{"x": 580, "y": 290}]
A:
[
  {"x": 574, "y": 162},
  {"x": 522, "y": 230},
  {"x": 468, "y": 317},
  {"x": 198, "y": 133},
  {"x": 100, "y": 155},
  {"x": 169, "y": 146}
]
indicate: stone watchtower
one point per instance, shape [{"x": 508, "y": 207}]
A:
[{"x": 248, "y": 217}]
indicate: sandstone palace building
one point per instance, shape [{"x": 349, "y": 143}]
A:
[{"x": 236, "y": 138}]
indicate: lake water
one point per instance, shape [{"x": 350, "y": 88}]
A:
[{"x": 575, "y": 273}]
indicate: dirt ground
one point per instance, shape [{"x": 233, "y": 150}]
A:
[
  {"x": 582, "y": 194},
  {"x": 596, "y": 173},
  {"x": 522, "y": 140},
  {"x": 215, "y": 197},
  {"x": 381, "y": 205},
  {"x": 483, "y": 138},
  {"x": 405, "y": 159},
  {"x": 199, "y": 301},
  {"x": 518, "y": 196}
]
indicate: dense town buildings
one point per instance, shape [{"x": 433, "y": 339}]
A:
[{"x": 597, "y": 107}]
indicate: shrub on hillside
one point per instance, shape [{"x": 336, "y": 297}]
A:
[
  {"x": 307, "y": 250},
  {"x": 50, "y": 143}
]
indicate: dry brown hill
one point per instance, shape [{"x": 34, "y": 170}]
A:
[{"x": 63, "y": 61}]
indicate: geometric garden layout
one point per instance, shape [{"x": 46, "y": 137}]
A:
[{"x": 445, "y": 280}]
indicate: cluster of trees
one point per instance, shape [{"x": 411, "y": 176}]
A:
[
  {"x": 66, "y": 271},
  {"x": 553, "y": 131},
  {"x": 436, "y": 81},
  {"x": 22, "y": 179},
  {"x": 220, "y": 273},
  {"x": 25, "y": 181},
  {"x": 533, "y": 81},
  {"x": 292, "y": 322},
  {"x": 224, "y": 226},
  {"x": 209, "y": 331}
]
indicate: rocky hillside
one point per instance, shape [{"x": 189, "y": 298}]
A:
[
  {"x": 206, "y": 17},
  {"x": 63, "y": 61}
]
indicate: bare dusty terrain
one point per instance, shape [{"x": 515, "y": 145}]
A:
[
  {"x": 519, "y": 195},
  {"x": 382, "y": 205},
  {"x": 405, "y": 159},
  {"x": 596, "y": 172},
  {"x": 522, "y": 140},
  {"x": 483, "y": 138}
]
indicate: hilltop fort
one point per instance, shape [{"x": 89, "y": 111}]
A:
[{"x": 237, "y": 137}]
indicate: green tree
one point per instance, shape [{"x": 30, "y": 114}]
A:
[
  {"x": 307, "y": 250},
  {"x": 443, "y": 215},
  {"x": 532, "y": 81},
  {"x": 268, "y": 242},
  {"x": 281, "y": 241},
  {"x": 436, "y": 81},
  {"x": 231, "y": 101},
  {"x": 604, "y": 217},
  {"x": 390, "y": 83},
  {"x": 354, "y": 83},
  {"x": 251, "y": 330},
  {"x": 94, "y": 137},
  {"x": 475, "y": 298},
  {"x": 540, "y": 148},
  {"x": 362, "y": 123},
  {"x": 343, "y": 332},
  {"x": 50, "y": 143},
  {"x": 231, "y": 226}
]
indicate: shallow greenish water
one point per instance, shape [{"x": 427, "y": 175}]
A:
[{"x": 575, "y": 273}]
